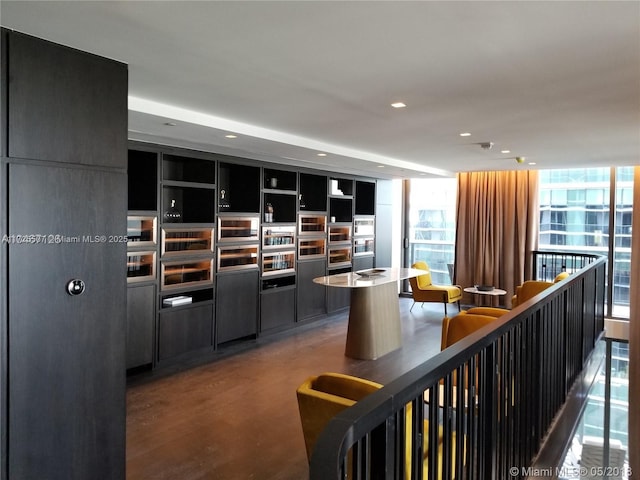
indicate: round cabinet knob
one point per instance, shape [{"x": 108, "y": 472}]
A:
[{"x": 75, "y": 287}]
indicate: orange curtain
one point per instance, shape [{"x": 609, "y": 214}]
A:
[
  {"x": 634, "y": 332},
  {"x": 496, "y": 229}
]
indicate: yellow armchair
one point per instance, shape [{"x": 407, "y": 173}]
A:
[
  {"x": 456, "y": 328},
  {"x": 423, "y": 290},
  {"x": 530, "y": 288},
  {"x": 490, "y": 311},
  {"x": 322, "y": 397}
]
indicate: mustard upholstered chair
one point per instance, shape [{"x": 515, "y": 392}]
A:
[
  {"x": 456, "y": 328},
  {"x": 322, "y": 397},
  {"x": 423, "y": 290},
  {"x": 489, "y": 311},
  {"x": 530, "y": 288}
]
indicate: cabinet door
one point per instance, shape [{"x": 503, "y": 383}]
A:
[
  {"x": 54, "y": 90},
  {"x": 338, "y": 298},
  {"x": 311, "y": 296},
  {"x": 185, "y": 330},
  {"x": 66, "y": 368},
  {"x": 277, "y": 308},
  {"x": 141, "y": 317},
  {"x": 236, "y": 305}
]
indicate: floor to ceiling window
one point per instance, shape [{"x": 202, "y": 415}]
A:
[
  {"x": 585, "y": 210},
  {"x": 431, "y": 225},
  {"x": 579, "y": 214}
]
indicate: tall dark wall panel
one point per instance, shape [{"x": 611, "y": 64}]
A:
[
  {"x": 66, "y": 353},
  {"x": 73, "y": 103},
  {"x": 63, "y": 192}
]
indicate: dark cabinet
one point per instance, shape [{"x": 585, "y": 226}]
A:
[
  {"x": 185, "y": 330},
  {"x": 65, "y": 105},
  {"x": 255, "y": 233},
  {"x": 236, "y": 305},
  {"x": 278, "y": 303},
  {"x": 141, "y": 319},
  {"x": 311, "y": 297},
  {"x": 338, "y": 298},
  {"x": 66, "y": 355}
]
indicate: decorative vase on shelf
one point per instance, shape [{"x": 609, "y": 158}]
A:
[
  {"x": 172, "y": 215},
  {"x": 268, "y": 215}
]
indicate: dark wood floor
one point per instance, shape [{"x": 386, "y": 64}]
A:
[{"x": 237, "y": 417}]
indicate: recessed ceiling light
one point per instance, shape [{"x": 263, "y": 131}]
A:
[
  {"x": 465, "y": 134},
  {"x": 505, "y": 151},
  {"x": 231, "y": 136},
  {"x": 322, "y": 154},
  {"x": 532, "y": 163},
  {"x": 170, "y": 124},
  {"x": 380, "y": 166},
  {"x": 398, "y": 105}
]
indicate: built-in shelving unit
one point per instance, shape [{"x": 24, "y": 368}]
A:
[
  {"x": 229, "y": 247},
  {"x": 238, "y": 267},
  {"x": 187, "y": 259},
  {"x": 142, "y": 256}
]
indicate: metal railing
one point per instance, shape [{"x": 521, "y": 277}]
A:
[
  {"x": 480, "y": 408},
  {"x": 548, "y": 264}
]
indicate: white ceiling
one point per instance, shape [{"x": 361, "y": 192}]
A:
[{"x": 555, "y": 82}]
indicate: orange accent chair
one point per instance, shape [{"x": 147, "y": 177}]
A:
[{"x": 423, "y": 290}]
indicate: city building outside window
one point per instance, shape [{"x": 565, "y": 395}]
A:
[
  {"x": 432, "y": 225},
  {"x": 577, "y": 215}
]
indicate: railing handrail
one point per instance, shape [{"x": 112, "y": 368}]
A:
[{"x": 379, "y": 407}]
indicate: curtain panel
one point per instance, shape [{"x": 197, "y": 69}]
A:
[{"x": 496, "y": 229}]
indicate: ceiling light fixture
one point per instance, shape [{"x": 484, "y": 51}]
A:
[
  {"x": 505, "y": 151},
  {"x": 398, "y": 105},
  {"x": 322, "y": 154},
  {"x": 170, "y": 124},
  {"x": 520, "y": 159},
  {"x": 465, "y": 134},
  {"x": 231, "y": 136}
]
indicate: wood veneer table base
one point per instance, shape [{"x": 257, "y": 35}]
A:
[{"x": 374, "y": 322}]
